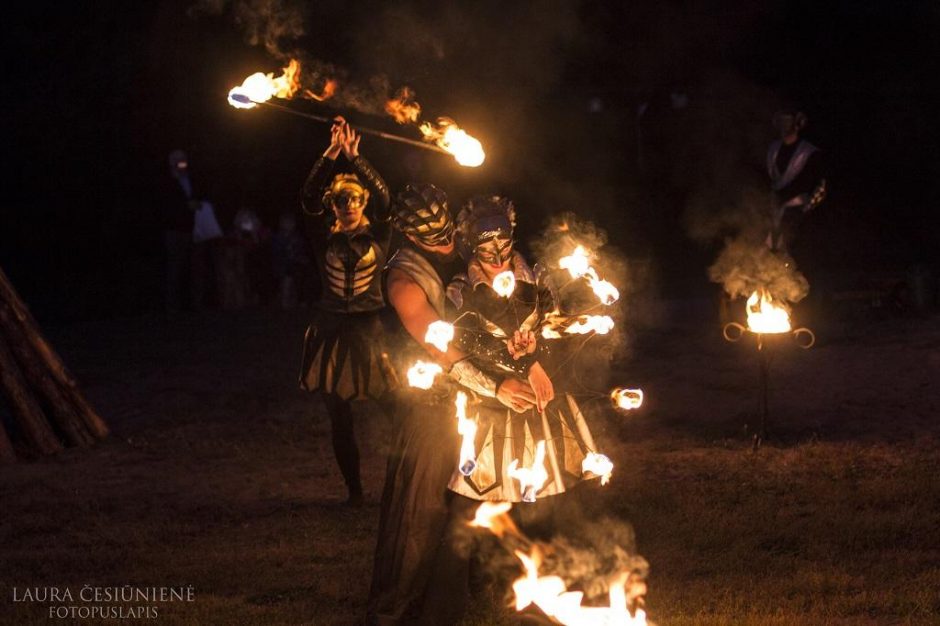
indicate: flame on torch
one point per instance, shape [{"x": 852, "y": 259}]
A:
[
  {"x": 261, "y": 87},
  {"x": 763, "y": 316},
  {"x": 467, "y": 429},
  {"x": 599, "y": 465},
  {"x": 627, "y": 399},
  {"x": 504, "y": 283},
  {"x": 600, "y": 324},
  {"x": 422, "y": 374},
  {"x": 446, "y": 134},
  {"x": 439, "y": 334},
  {"x": 493, "y": 516},
  {"x": 531, "y": 479},
  {"x": 578, "y": 265}
]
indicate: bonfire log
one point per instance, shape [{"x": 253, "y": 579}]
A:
[
  {"x": 29, "y": 330},
  {"x": 26, "y": 409},
  {"x": 50, "y": 394}
]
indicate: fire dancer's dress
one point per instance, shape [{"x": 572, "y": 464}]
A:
[
  {"x": 797, "y": 184},
  {"x": 486, "y": 320},
  {"x": 344, "y": 354}
]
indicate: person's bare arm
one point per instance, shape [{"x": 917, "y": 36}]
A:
[{"x": 416, "y": 314}]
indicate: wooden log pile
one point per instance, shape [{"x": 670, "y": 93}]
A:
[{"x": 48, "y": 409}]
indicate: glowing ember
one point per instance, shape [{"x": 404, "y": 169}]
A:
[
  {"x": 763, "y": 316},
  {"x": 531, "y": 479},
  {"x": 599, "y": 465},
  {"x": 600, "y": 324},
  {"x": 578, "y": 264},
  {"x": 422, "y": 373},
  {"x": 439, "y": 334},
  {"x": 467, "y": 429},
  {"x": 504, "y": 283},
  {"x": 260, "y": 87},
  {"x": 627, "y": 399},
  {"x": 446, "y": 134}
]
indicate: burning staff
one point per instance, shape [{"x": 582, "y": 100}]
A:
[{"x": 443, "y": 136}]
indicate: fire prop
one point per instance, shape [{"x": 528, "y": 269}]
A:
[
  {"x": 422, "y": 374},
  {"x": 467, "y": 429},
  {"x": 627, "y": 399},
  {"x": 626, "y": 589},
  {"x": 599, "y": 465},
  {"x": 444, "y": 136},
  {"x": 767, "y": 320},
  {"x": 504, "y": 283},
  {"x": 439, "y": 334},
  {"x": 531, "y": 479},
  {"x": 578, "y": 265}
]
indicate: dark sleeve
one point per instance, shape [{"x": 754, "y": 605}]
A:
[
  {"x": 379, "y": 197},
  {"x": 311, "y": 196}
]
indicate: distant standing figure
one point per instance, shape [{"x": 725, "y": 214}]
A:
[
  {"x": 797, "y": 184},
  {"x": 177, "y": 213}
]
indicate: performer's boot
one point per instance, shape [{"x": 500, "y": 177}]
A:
[{"x": 344, "y": 447}]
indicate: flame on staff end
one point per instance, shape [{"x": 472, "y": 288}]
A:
[
  {"x": 600, "y": 324},
  {"x": 599, "y": 465},
  {"x": 467, "y": 429},
  {"x": 422, "y": 374},
  {"x": 627, "y": 399},
  {"x": 439, "y": 334},
  {"x": 261, "y": 87},
  {"x": 531, "y": 479},
  {"x": 765, "y": 317},
  {"x": 504, "y": 283},
  {"x": 447, "y": 135}
]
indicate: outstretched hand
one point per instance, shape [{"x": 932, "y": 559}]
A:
[
  {"x": 337, "y": 137},
  {"x": 351, "y": 142}
]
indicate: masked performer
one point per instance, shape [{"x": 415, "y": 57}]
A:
[
  {"x": 414, "y": 502},
  {"x": 522, "y": 454},
  {"x": 798, "y": 186},
  {"x": 344, "y": 356}
]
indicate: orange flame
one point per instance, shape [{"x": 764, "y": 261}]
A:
[
  {"x": 403, "y": 107},
  {"x": 447, "y": 135},
  {"x": 627, "y": 399},
  {"x": 260, "y": 87},
  {"x": 329, "y": 90},
  {"x": 467, "y": 429},
  {"x": 763, "y": 316},
  {"x": 494, "y": 517},
  {"x": 504, "y": 283},
  {"x": 422, "y": 374},
  {"x": 439, "y": 334},
  {"x": 531, "y": 479},
  {"x": 578, "y": 265},
  {"x": 599, "y": 465}
]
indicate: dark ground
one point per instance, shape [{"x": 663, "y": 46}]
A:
[{"x": 220, "y": 475}]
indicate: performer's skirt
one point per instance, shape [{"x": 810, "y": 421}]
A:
[
  {"x": 504, "y": 436},
  {"x": 414, "y": 508},
  {"x": 344, "y": 354}
]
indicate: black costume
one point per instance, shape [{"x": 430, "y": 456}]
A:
[{"x": 344, "y": 356}]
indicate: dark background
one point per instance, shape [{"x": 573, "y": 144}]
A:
[{"x": 97, "y": 94}]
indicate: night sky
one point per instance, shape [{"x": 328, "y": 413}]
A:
[{"x": 98, "y": 93}]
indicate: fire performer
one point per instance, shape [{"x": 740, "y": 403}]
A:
[
  {"x": 414, "y": 502},
  {"x": 497, "y": 326},
  {"x": 796, "y": 179},
  {"x": 344, "y": 355}
]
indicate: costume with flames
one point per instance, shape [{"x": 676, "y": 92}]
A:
[{"x": 344, "y": 356}]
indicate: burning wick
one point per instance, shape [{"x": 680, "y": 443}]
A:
[
  {"x": 504, "y": 283},
  {"x": 765, "y": 317},
  {"x": 599, "y": 465},
  {"x": 627, "y": 399},
  {"x": 422, "y": 373},
  {"x": 600, "y": 324},
  {"x": 467, "y": 429},
  {"x": 439, "y": 334},
  {"x": 467, "y": 150},
  {"x": 531, "y": 479},
  {"x": 261, "y": 87},
  {"x": 579, "y": 266}
]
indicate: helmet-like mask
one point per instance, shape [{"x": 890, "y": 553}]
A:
[{"x": 420, "y": 210}]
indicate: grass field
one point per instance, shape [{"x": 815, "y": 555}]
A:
[{"x": 220, "y": 475}]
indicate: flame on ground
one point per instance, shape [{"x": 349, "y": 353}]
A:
[
  {"x": 422, "y": 374},
  {"x": 504, "y": 283},
  {"x": 627, "y": 399},
  {"x": 260, "y": 87},
  {"x": 599, "y": 465},
  {"x": 467, "y": 429},
  {"x": 578, "y": 264},
  {"x": 763, "y": 316},
  {"x": 447, "y": 135},
  {"x": 439, "y": 334},
  {"x": 531, "y": 479},
  {"x": 493, "y": 516}
]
